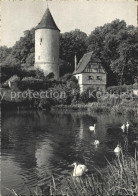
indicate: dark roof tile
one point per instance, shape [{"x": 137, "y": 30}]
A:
[
  {"x": 84, "y": 61},
  {"x": 47, "y": 21}
]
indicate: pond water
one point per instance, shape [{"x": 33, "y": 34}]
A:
[{"x": 37, "y": 145}]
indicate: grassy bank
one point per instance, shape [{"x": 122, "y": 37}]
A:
[
  {"x": 120, "y": 108},
  {"x": 27, "y": 99},
  {"x": 119, "y": 178}
]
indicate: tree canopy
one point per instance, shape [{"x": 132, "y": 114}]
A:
[
  {"x": 72, "y": 43},
  {"x": 115, "y": 43}
]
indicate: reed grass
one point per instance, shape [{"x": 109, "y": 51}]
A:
[
  {"x": 103, "y": 106},
  {"x": 120, "y": 178}
]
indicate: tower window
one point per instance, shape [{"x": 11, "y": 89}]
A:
[
  {"x": 40, "y": 41},
  {"x": 38, "y": 57}
]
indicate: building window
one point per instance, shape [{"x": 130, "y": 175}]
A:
[
  {"x": 99, "y": 78},
  {"x": 40, "y": 41},
  {"x": 78, "y": 78},
  {"x": 99, "y": 89},
  {"x": 90, "y": 77},
  {"x": 38, "y": 57}
]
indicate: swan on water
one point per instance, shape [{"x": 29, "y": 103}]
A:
[
  {"x": 123, "y": 127},
  {"x": 92, "y": 128},
  {"x": 79, "y": 170},
  {"x": 96, "y": 142},
  {"x": 127, "y": 125},
  {"x": 117, "y": 149}
]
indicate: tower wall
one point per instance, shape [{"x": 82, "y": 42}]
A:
[{"x": 47, "y": 51}]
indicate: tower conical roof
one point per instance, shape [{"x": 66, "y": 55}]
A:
[{"x": 47, "y": 21}]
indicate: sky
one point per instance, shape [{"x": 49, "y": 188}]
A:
[{"x": 19, "y": 16}]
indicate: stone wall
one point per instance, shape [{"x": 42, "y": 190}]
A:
[
  {"x": 95, "y": 80},
  {"x": 47, "y": 51}
]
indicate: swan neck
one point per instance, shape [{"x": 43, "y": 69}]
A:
[{"x": 74, "y": 171}]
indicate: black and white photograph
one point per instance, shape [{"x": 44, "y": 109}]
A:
[{"x": 69, "y": 97}]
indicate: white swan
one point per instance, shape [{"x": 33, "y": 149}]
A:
[
  {"x": 9, "y": 83},
  {"x": 117, "y": 149},
  {"x": 127, "y": 125},
  {"x": 123, "y": 127},
  {"x": 96, "y": 142},
  {"x": 79, "y": 170},
  {"x": 92, "y": 128}
]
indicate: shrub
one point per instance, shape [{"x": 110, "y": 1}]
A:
[
  {"x": 32, "y": 83},
  {"x": 85, "y": 96},
  {"x": 66, "y": 77},
  {"x": 119, "y": 89},
  {"x": 9, "y": 71},
  {"x": 50, "y": 76},
  {"x": 135, "y": 86},
  {"x": 13, "y": 81}
]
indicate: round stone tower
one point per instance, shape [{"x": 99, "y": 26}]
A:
[{"x": 47, "y": 45}]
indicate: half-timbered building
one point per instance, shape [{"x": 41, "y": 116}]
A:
[{"x": 90, "y": 73}]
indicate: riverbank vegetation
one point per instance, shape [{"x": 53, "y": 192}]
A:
[
  {"x": 115, "y": 44},
  {"x": 119, "y": 178},
  {"x": 64, "y": 94}
]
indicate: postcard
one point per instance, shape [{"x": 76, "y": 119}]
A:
[{"x": 69, "y": 97}]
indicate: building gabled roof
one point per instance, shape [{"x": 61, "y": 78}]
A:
[
  {"x": 47, "y": 22},
  {"x": 84, "y": 62}
]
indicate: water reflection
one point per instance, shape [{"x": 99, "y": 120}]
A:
[{"x": 36, "y": 145}]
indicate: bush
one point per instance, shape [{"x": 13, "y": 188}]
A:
[
  {"x": 135, "y": 86},
  {"x": 13, "y": 81},
  {"x": 32, "y": 84},
  {"x": 119, "y": 89},
  {"x": 86, "y": 96},
  {"x": 50, "y": 76},
  {"x": 9, "y": 71},
  {"x": 66, "y": 77}
]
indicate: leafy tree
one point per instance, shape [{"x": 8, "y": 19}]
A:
[
  {"x": 64, "y": 67},
  {"x": 24, "y": 47},
  {"x": 30, "y": 60},
  {"x": 115, "y": 43},
  {"x": 125, "y": 66},
  {"x": 4, "y": 52},
  {"x": 21, "y": 53},
  {"x": 9, "y": 71},
  {"x": 72, "y": 43},
  {"x": 117, "y": 46}
]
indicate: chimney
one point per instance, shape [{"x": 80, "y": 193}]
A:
[{"x": 75, "y": 60}]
